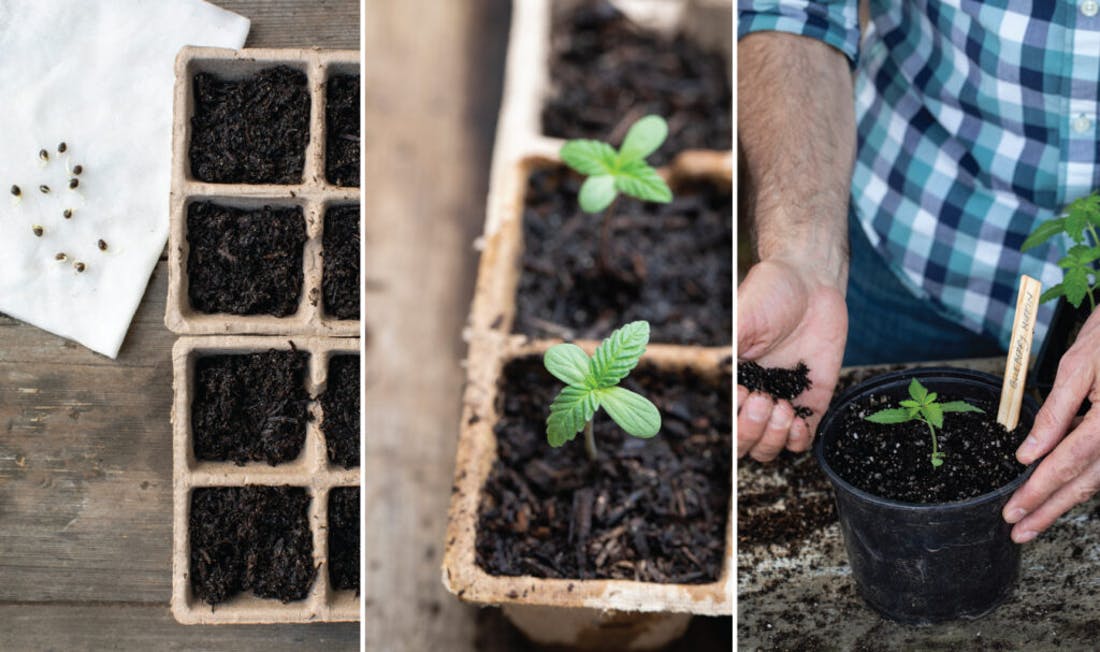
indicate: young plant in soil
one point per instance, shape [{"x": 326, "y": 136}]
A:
[
  {"x": 592, "y": 383},
  {"x": 1080, "y": 222},
  {"x": 610, "y": 172},
  {"x": 922, "y": 406}
]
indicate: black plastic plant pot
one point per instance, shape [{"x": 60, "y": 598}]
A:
[
  {"x": 926, "y": 563},
  {"x": 1064, "y": 326}
]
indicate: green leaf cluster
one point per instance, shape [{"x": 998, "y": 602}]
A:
[
  {"x": 592, "y": 383},
  {"x": 922, "y": 406},
  {"x": 624, "y": 171},
  {"x": 1080, "y": 222}
]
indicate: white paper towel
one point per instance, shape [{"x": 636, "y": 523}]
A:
[{"x": 98, "y": 76}]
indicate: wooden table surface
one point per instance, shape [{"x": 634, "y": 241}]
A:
[{"x": 86, "y": 459}]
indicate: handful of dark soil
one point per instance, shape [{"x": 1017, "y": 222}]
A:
[
  {"x": 779, "y": 383},
  {"x": 251, "y": 538}
]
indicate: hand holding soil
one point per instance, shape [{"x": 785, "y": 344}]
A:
[
  {"x": 787, "y": 315},
  {"x": 1071, "y": 473}
]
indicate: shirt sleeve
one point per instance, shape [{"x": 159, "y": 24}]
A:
[{"x": 836, "y": 22}]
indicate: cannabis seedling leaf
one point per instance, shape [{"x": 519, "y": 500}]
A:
[
  {"x": 922, "y": 406},
  {"x": 1080, "y": 223},
  {"x": 592, "y": 383}
]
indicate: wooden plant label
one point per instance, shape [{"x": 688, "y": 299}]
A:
[{"x": 1019, "y": 352}]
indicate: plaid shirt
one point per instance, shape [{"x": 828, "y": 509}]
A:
[{"x": 976, "y": 122}]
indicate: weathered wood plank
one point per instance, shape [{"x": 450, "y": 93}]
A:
[
  {"x": 299, "y": 23},
  {"x": 433, "y": 89}
]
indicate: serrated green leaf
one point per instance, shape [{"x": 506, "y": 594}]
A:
[
  {"x": 1044, "y": 232},
  {"x": 643, "y": 138},
  {"x": 597, "y": 193},
  {"x": 571, "y": 410},
  {"x": 633, "y": 412},
  {"x": 889, "y": 415},
  {"x": 913, "y": 411},
  {"x": 639, "y": 180},
  {"x": 1077, "y": 220},
  {"x": 1052, "y": 293},
  {"x": 589, "y": 157},
  {"x": 1076, "y": 284},
  {"x": 909, "y": 403},
  {"x": 917, "y": 391},
  {"x": 931, "y": 397},
  {"x": 960, "y": 406},
  {"x": 934, "y": 413},
  {"x": 619, "y": 353},
  {"x": 568, "y": 363}
]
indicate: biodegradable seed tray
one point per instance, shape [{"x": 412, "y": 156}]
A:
[
  {"x": 314, "y": 195},
  {"x": 312, "y": 470}
]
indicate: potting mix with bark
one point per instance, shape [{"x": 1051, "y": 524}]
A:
[
  {"x": 340, "y": 276},
  {"x": 647, "y": 510},
  {"x": 342, "y": 131},
  {"x": 340, "y": 404}
]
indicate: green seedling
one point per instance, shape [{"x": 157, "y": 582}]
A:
[
  {"x": 610, "y": 172},
  {"x": 1080, "y": 222},
  {"x": 592, "y": 383},
  {"x": 922, "y": 406}
]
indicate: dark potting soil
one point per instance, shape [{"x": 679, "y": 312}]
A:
[
  {"x": 650, "y": 510},
  {"x": 251, "y": 538},
  {"x": 789, "y": 513},
  {"x": 606, "y": 73},
  {"x": 253, "y": 130},
  {"x": 893, "y": 461},
  {"x": 250, "y": 407},
  {"x": 670, "y": 264},
  {"x": 245, "y": 261},
  {"x": 340, "y": 274},
  {"x": 343, "y": 538},
  {"x": 779, "y": 383},
  {"x": 340, "y": 405},
  {"x": 342, "y": 130}
]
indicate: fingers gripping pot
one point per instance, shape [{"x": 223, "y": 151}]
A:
[{"x": 925, "y": 563}]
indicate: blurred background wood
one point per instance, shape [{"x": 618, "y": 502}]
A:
[{"x": 86, "y": 461}]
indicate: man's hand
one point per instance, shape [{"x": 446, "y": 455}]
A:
[
  {"x": 1071, "y": 474},
  {"x": 786, "y": 314}
]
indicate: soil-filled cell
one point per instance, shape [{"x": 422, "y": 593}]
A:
[
  {"x": 343, "y": 538},
  {"x": 342, "y": 130},
  {"x": 250, "y": 408},
  {"x": 669, "y": 264},
  {"x": 253, "y": 130},
  {"x": 245, "y": 261},
  {"x": 340, "y": 277},
  {"x": 340, "y": 406},
  {"x": 253, "y": 539},
  {"x": 652, "y": 510}
]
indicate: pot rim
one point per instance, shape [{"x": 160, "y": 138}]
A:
[{"x": 877, "y": 383}]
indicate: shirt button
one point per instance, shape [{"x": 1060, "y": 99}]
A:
[
  {"x": 1090, "y": 8},
  {"x": 1081, "y": 123}
]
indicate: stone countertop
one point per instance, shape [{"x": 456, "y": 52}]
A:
[{"x": 795, "y": 591}]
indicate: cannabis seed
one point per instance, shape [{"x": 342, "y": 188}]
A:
[
  {"x": 16, "y": 191},
  {"x": 80, "y": 267},
  {"x": 73, "y": 183},
  {"x": 102, "y": 245},
  {"x": 68, "y": 214},
  {"x": 62, "y": 147},
  {"x": 78, "y": 169},
  {"x": 38, "y": 231},
  {"x": 44, "y": 189},
  {"x": 60, "y": 256},
  {"x": 44, "y": 155}
]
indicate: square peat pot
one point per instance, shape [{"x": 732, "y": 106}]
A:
[
  {"x": 591, "y": 614},
  {"x": 228, "y": 489},
  {"x": 300, "y": 153}
]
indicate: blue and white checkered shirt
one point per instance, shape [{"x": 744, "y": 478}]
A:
[{"x": 976, "y": 122}]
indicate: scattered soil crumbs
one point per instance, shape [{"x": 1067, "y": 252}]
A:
[
  {"x": 251, "y": 539},
  {"x": 649, "y": 510},
  {"x": 254, "y": 130},
  {"x": 791, "y": 513},
  {"x": 343, "y": 538},
  {"x": 780, "y": 384},
  {"x": 893, "y": 461},
  {"x": 251, "y": 407},
  {"x": 340, "y": 406},
  {"x": 342, "y": 130},
  {"x": 340, "y": 274},
  {"x": 670, "y": 264},
  {"x": 606, "y": 73},
  {"x": 245, "y": 261}
]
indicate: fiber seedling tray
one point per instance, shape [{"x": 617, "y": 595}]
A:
[
  {"x": 259, "y": 257},
  {"x": 311, "y": 474}
]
